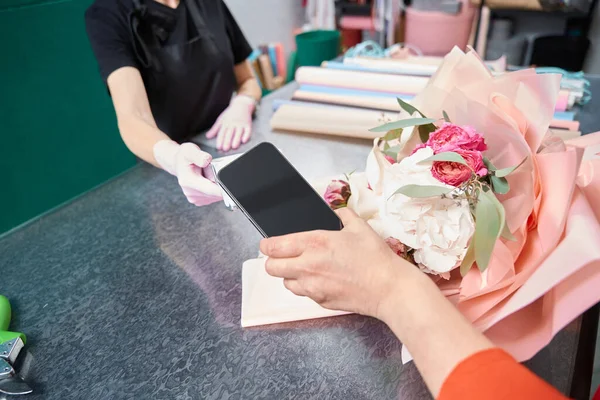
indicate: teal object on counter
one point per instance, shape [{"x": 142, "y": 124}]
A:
[
  {"x": 314, "y": 47},
  {"x": 58, "y": 132}
]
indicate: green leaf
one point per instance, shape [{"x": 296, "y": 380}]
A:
[
  {"x": 506, "y": 234},
  {"x": 500, "y": 185},
  {"x": 487, "y": 229},
  {"x": 393, "y": 134},
  {"x": 386, "y": 146},
  {"x": 501, "y": 173},
  {"x": 403, "y": 123},
  {"x": 425, "y": 131},
  {"x": 446, "y": 156},
  {"x": 418, "y": 191},
  {"x": 446, "y": 117},
  {"x": 408, "y": 108},
  {"x": 504, "y": 230},
  {"x": 469, "y": 259},
  {"x": 392, "y": 152},
  {"x": 488, "y": 164}
]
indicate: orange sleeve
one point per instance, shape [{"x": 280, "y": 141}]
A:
[{"x": 494, "y": 375}]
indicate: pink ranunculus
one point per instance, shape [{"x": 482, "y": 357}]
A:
[
  {"x": 455, "y": 174},
  {"x": 449, "y": 137},
  {"x": 451, "y": 173},
  {"x": 337, "y": 194},
  {"x": 475, "y": 160}
]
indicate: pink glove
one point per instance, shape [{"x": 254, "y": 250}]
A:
[
  {"x": 234, "y": 125},
  {"x": 186, "y": 162}
]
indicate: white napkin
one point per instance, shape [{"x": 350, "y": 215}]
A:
[{"x": 265, "y": 300}]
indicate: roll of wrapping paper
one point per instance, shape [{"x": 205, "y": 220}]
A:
[
  {"x": 336, "y": 121},
  {"x": 378, "y": 82},
  {"x": 347, "y": 121},
  {"x": 565, "y": 134},
  {"x": 376, "y": 103},
  {"x": 383, "y": 67},
  {"x": 400, "y": 84},
  {"x": 570, "y": 125},
  {"x": 390, "y": 104}
]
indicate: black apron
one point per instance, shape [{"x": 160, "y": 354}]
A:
[{"x": 188, "y": 84}]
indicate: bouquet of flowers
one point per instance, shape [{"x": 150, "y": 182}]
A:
[
  {"x": 426, "y": 205},
  {"x": 471, "y": 187}
]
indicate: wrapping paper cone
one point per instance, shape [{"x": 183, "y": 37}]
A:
[
  {"x": 557, "y": 292},
  {"x": 265, "y": 300},
  {"x": 361, "y": 80},
  {"x": 337, "y": 121}
]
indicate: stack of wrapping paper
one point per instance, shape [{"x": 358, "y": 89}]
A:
[{"x": 348, "y": 98}]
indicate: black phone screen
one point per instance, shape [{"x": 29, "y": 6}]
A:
[{"x": 274, "y": 195}]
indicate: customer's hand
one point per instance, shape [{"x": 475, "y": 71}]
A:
[
  {"x": 351, "y": 270},
  {"x": 234, "y": 125},
  {"x": 186, "y": 161}
]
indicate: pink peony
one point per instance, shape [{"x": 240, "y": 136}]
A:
[
  {"x": 450, "y": 137},
  {"x": 337, "y": 194},
  {"x": 455, "y": 174}
]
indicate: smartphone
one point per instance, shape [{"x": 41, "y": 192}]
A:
[{"x": 273, "y": 195}]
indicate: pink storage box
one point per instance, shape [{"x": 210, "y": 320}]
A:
[{"x": 436, "y": 33}]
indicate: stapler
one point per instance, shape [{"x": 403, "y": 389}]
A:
[{"x": 11, "y": 344}]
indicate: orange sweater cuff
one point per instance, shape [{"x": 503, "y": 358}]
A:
[{"x": 493, "y": 375}]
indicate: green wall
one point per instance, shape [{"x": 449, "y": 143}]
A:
[{"x": 58, "y": 135}]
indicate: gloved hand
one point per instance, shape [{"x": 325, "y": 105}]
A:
[
  {"x": 234, "y": 125},
  {"x": 186, "y": 161}
]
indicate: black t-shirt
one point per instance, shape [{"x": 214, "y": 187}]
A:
[{"x": 108, "y": 28}]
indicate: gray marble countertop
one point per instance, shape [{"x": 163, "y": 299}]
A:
[{"x": 131, "y": 292}]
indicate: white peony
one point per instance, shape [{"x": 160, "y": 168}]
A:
[
  {"x": 363, "y": 200},
  {"x": 408, "y": 140},
  {"x": 438, "y": 229}
]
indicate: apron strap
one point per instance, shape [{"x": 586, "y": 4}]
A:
[
  {"x": 144, "y": 55},
  {"x": 201, "y": 27}
]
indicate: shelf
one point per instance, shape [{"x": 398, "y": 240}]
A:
[{"x": 531, "y": 6}]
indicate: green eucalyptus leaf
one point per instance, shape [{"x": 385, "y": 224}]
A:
[
  {"x": 418, "y": 191},
  {"x": 403, "y": 123},
  {"x": 393, "y": 134},
  {"x": 500, "y": 185},
  {"x": 506, "y": 234},
  {"x": 504, "y": 230},
  {"x": 501, "y": 173},
  {"x": 392, "y": 152},
  {"x": 469, "y": 259},
  {"x": 446, "y": 156},
  {"x": 408, "y": 108},
  {"x": 425, "y": 131},
  {"x": 488, "y": 164},
  {"x": 487, "y": 229},
  {"x": 446, "y": 117}
]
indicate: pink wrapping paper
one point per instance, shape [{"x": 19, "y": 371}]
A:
[
  {"x": 528, "y": 292},
  {"x": 550, "y": 274}
]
